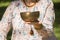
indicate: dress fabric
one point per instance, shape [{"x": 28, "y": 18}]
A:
[{"x": 12, "y": 18}]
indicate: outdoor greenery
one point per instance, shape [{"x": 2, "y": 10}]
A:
[{"x": 5, "y": 3}]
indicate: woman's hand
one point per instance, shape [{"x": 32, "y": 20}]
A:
[{"x": 28, "y": 22}]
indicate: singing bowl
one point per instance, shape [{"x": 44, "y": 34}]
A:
[{"x": 30, "y": 16}]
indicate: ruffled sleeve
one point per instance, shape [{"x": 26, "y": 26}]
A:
[
  {"x": 6, "y": 21},
  {"x": 49, "y": 18},
  {"x": 47, "y": 15}
]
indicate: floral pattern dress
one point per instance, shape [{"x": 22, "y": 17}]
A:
[{"x": 12, "y": 18}]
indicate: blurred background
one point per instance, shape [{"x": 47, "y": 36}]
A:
[{"x": 5, "y": 3}]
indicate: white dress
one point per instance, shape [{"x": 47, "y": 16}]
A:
[{"x": 12, "y": 18}]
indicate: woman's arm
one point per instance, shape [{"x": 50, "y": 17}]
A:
[
  {"x": 49, "y": 18},
  {"x": 5, "y": 23}
]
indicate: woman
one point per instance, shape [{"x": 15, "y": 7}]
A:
[{"x": 22, "y": 29}]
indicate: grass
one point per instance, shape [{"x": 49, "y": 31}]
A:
[
  {"x": 57, "y": 30},
  {"x": 4, "y": 4},
  {"x": 56, "y": 1}
]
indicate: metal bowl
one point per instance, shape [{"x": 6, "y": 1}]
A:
[{"x": 30, "y": 16}]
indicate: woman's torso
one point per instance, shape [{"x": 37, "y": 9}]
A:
[{"x": 20, "y": 28}]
